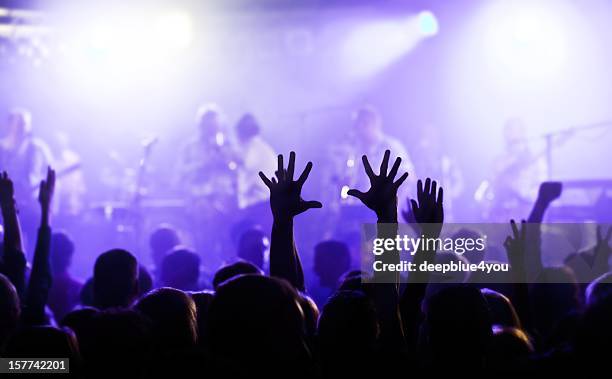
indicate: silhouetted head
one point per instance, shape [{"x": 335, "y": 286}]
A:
[
  {"x": 253, "y": 318},
  {"x": 235, "y": 269},
  {"x": 163, "y": 239},
  {"x": 9, "y": 310},
  {"x": 599, "y": 289},
  {"x": 353, "y": 281},
  {"x": 181, "y": 269},
  {"x": 554, "y": 296},
  {"x": 46, "y": 342},
  {"x": 348, "y": 324},
  {"x": 473, "y": 256},
  {"x": 311, "y": 314},
  {"x": 252, "y": 247},
  {"x": 61, "y": 252},
  {"x": 501, "y": 309},
  {"x": 458, "y": 327},
  {"x": 43, "y": 342},
  {"x": 440, "y": 280},
  {"x": 118, "y": 343},
  {"x": 247, "y": 127},
  {"x": 115, "y": 281},
  {"x": 173, "y": 318},
  {"x": 202, "y": 301},
  {"x": 509, "y": 351},
  {"x": 331, "y": 260},
  {"x": 347, "y": 335},
  {"x": 594, "y": 338},
  {"x": 79, "y": 321}
]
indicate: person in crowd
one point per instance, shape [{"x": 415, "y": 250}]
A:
[
  {"x": 252, "y": 247},
  {"x": 65, "y": 290},
  {"x": 235, "y": 269},
  {"x": 331, "y": 260},
  {"x": 206, "y": 176},
  {"x": 180, "y": 269},
  {"x": 255, "y": 155},
  {"x": 10, "y": 310},
  {"x": 163, "y": 239},
  {"x": 255, "y": 323},
  {"x": 26, "y": 158},
  {"x": 516, "y": 175},
  {"x": 115, "y": 280}
]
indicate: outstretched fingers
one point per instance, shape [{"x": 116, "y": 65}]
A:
[
  {"x": 440, "y": 196},
  {"x": 420, "y": 190},
  {"x": 367, "y": 167},
  {"x": 385, "y": 163},
  {"x": 302, "y": 179},
  {"x": 401, "y": 180},
  {"x": 515, "y": 231},
  {"x": 427, "y": 187},
  {"x": 280, "y": 170},
  {"x": 356, "y": 193},
  {"x": 313, "y": 204},
  {"x": 291, "y": 166},
  {"x": 394, "y": 168},
  {"x": 265, "y": 179}
]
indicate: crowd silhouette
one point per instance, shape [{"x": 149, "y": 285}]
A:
[{"x": 127, "y": 323}]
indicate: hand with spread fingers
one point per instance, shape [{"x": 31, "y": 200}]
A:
[
  {"x": 285, "y": 192},
  {"x": 381, "y": 197}
]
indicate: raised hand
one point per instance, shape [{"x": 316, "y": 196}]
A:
[
  {"x": 45, "y": 194},
  {"x": 13, "y": 261},
  {"x": 285, "y": 193},
  {"x": 7, "y": 193},
  {"x": 516, "y": 246},
  {"x": 549, "y": 191},
  {"x": 381, "y": 197},
  {"x": 427, "y": 209}
]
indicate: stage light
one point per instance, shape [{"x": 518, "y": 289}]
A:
[
  {"x": 527, "y": 39},
  {"x": 376, "y": 44},
  {"x": 428, "y": 23},
  {"x": 344, "y": 192},
  {"x": 175, "y": 29}
]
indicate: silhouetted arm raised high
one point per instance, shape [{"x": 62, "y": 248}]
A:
[
  {"x": 14, "y": 260},
  {"x": 41, "y": 278},
  {"x": 427, "y": 212},
  {"x": 286, "y": 202},
  {"x": 381, "y": 198}
]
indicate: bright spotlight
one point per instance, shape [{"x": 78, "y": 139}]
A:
[
  {"x": 428, "y": 23},
  {"x": 527, "y": 39},
  {"x": 376, "y": 44},
  {"x": 175, "y": 29}
]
